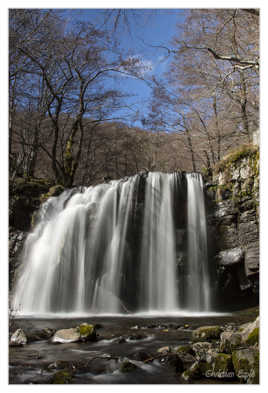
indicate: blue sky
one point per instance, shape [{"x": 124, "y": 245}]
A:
[{"x": 147, "y": 28}]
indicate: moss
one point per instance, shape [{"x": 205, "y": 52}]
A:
[
  {"x": 235, "y": 156},
  {"x": 62, "y": 377},
  {"x": 253, "y": 337},
  {"x": 87, "y": 331},
  {"x": 207, "y": 332},
  {"x": 53, "y": 191},
  {"x": 246, "y": 365},
  {"x": 184, "y": 349},
  {"x": 223, "y": 362}
]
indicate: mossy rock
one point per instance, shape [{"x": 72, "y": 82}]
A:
[
  {"x": 52, "y": 192},
  {"x": 194, "y": 372},
  {"x": 253, "y": 337},
  {"x": 236, "y": 155},
  {"x": 87, "y": 332},
  {"x": 204, "y": 333},
  {"x": 183, "y": 349},
  {"x": 230, "y": 341},
  {"x": 246, "y": 365},
  {"x": 222, "y": 362},
  {"x": 62, "y": 377}
]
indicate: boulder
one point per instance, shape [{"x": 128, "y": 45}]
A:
[
  {"x": 207, "y": 332},
  {"x": 200, "y": 350},
  {"x": 250, "y": 332},
  {"x": 87, "y": 332},
  {"x": 164, "y": 350},
  {"x": 83, "y": 332},
  {"x": 126, "y": 366},
  {"x": 230, "y": 341},
  {"x": 217, "y": 365},
  {"x": 246, "y": 365},
  {"x": 18, "y": 338},
  {"x": 192, "y": 373},
  {"x": 62, "y": 377},
  {"x": 63, "y": 336}
]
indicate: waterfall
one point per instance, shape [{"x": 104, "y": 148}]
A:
[
  {"x": 198, "y": 286},
  {"x": 112, "y": 248},
  {"x": 158, "y": 259}
]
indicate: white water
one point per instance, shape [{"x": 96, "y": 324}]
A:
[
  {"x": 158, "y": 261},
  {"x": 79, "y": 259},
  {"x": 198, "y": 285}
]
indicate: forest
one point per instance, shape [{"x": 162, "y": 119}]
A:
[{"x": 66, "y": 121}]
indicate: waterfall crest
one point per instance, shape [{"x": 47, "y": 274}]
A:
[{"x": 113, "y": 248}]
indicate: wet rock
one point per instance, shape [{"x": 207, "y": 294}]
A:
[
  {"x": 62, "y": 377},
  {"x": 200, "y": 349},
  {"x": 134, "y": 337},
  {"x": 246, "y": 365},
  {"x": 126, "y": 366},
  {"x": 217, "y": 362},
  {"x": 192, "y": 373},
  {"x": 40, "y": 334},
  {"x": 164, "y": 349},
  {"x": 83, "y": 332},
  {"x": 141, "y": 356},
  {"x": 187, "y": 360},
  {"x": 18, "y": 338},
  {"x": 87, "y": 332},
  {"x": 230, "y": 341},
  {"x": 207, "y": 332},
  {"x": 174, "y": 361},
  {"x": 250, "y": 332},
  {"x": 119, "y": 340},
  {"x": 183, "y": 349},
  {"x": 63, "y": 336}
]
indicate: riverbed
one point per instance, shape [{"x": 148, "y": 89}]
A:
[{"x": 133, "y": 340}]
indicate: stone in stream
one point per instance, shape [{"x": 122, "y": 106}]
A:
[
  {"x": 248, "y": 334},
  {"x": 18, "y": 338},
  {"x": 200, "y": 349},
  {"x": 63, "y": 336},
  {"x": 246, "y": 365},
  {"x": 83, "y": 332},
  {"x": 207, "y": 332},
  {"x": 230, "y": 341},
  {"x": 126, "y": 366}
]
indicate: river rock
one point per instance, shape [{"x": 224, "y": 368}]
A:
[
  {"x": 126, "y": 366},
  {"x": 62, "y": 377},
  {"x": 87, "y": 332},
  {"x": 63, "y": 336},
  {"x": 216, "y": 364},
  {"x": 246, "y": 365},
  {"x": 186, "y": 348},
  {"x": 250, "y": 332},
  {"x": 200, "y": 349},
  {"x": 164, "y": 350},
  {"x": 193, "y": 372},
  {"x": 18, "y": 338},
  {"x": 207, "y": 332},
  {"x": 230, "y": 341}
]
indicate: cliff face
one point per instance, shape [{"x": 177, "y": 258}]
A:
[{"x": 233, "y": 225}]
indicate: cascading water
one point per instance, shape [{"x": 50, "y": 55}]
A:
[
  {"x": 198, "y": 285},
  {"x": 112, "y": 248},
  {"x": 158, "y": 255}
]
